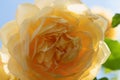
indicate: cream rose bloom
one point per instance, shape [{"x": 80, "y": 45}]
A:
[{"x": 53, "y": 40}]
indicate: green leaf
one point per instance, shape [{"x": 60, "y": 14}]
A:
[
  {"x": 106, "y": 70},
  {"x": 95, "y": 79},
  {"x": 113, "y": 61},
  {"x": 116, "y": 20},
  {"x": 104, "y": 78}
]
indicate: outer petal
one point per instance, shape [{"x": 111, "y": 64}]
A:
[
  {"x": 86, "y": 23},
  {"x": 103, "y": 53},
  {"x": 61, "y": 3},
  {"x": 45, "y": 3},
  {"x": 32, "y": 26},
  {"x": 7, "y": 31},
  {"x": 3, "y": 75},
  {"x": 16, "y": 69},
  {"x": 100, "y": 58},
  {"x": 102, "y": 22},
  {"x": 18, "y": 50},
  {"x": 75, "y": 1},
  {"x": 26, "y": 11}
]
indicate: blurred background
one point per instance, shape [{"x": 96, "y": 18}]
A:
[{"x": 110, "y": 7}]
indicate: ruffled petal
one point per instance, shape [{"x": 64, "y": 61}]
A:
[
  {"x": 75, "y": 1},
  {"x": 78, "y": 8},
  {"x": 86, "y": 23},
  {"x": 102, "y": 22},
  {"x": 16, "y": 69},
  {"x": 7, "y": 31},
  {"x": 18, "y": 50},
  {"x": 103, "y": 53},
  {"x": 64, "y": 3},
  {"x": 3, "y": 75},
  {"x": 43, "y": 3},
  {"x": 101, "y": 57},
  {"x": 26, "y": 11},
  {"x": 56, "y": 3},
  {"x": 30, "y": 27}
]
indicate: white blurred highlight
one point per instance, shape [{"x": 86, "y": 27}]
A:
[
  {"x": 107, "y": 13},
  {"x": 77, "y": 8},
  {"x": 4, "y": 59},
  {"x": 5, "y": 67}
]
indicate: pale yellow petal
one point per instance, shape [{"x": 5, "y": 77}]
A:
[
  {"x": 3, "y": 74},
  {"x": 16, "y": 69},
  {"x": 17, "y": 50},
  {"x": 104, "y": 52},
  {"x": 7, "y": 31},
  {"x": 78, "y": 9},
  {"x": 75, "y": 1},
  {"x": 56, "y": 3},
  {"x": 43, "y": 3},
  {"x": 26, "y": 11},
  {"x": 100, "y": 58},
  {"x": 102, "y": 22},
  {"x": 61, "y": 3},
  {"x": 87, "y": 24},
  {"x": 32, "y": 26}
]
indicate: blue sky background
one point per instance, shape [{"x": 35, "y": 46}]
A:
[
  {"x": 113, "y": 5},
  {"x": 8, "y": 10}
]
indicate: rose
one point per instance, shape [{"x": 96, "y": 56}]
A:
[{"x": 52, "y": 41}]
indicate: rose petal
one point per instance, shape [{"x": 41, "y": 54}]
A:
[
  {"x": 100, "y": 58},
  {"x": 86, "y": 24},
  {"x": 102, "y": 22},
  {"x": 7, "y": 31},
  {"x": 43, "y": 3},
  {"x": 75, "y": 1},
  {"x": 56, "y": 3},
  {"x": 3, "y": 75},
  {"x": 78, "y": 9},
  {"x": 18, "y": 50},
  {"x": 16, "y": 69},
  {"x": 103, "y": 52},
  {"x": 26, "y": 11}
]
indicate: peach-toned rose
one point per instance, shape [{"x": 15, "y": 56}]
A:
[{"x": 52, "y": 41}]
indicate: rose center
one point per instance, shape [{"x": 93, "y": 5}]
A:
[{"x": 54, "y": 46}]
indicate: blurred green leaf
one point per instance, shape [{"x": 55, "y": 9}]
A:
[
  {"x": 106, "y": 70},
  {"x": 113, "y": 61},
  {"x": 95, "y": 79},
  {"x": 104, "y": 78},
  {"x": 116, "y": 20}
]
